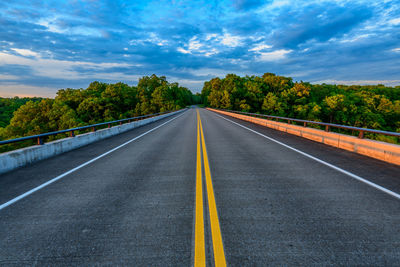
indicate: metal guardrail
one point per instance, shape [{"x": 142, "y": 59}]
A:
[
  {"x": 327, "y": 125},
  {"x": 71, "y": 131}
]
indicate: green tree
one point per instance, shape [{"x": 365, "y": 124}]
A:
[
  {"x": 335, "y": 106},
  {"x": 98, "y": 103},
  {"x": 91, "y": 110},
  {"x": 374, "y": 106},
  {"x": 225, "y": 100},
  {"x": 30, "y": 119},
  {"x": 271, "y": 104}
]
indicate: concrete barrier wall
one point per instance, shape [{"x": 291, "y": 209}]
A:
[
  {"x": 24, "y": 156},
  {"x": 375, "y": 149}
]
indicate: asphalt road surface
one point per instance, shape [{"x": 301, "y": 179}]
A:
[{"x": 202, "y": 189}]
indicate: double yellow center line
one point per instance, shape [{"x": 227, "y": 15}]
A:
[{"x": 218, "y": 248}]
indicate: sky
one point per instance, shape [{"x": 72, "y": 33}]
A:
[{"x": 50, "y": 45}]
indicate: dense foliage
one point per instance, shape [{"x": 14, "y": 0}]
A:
[
  {"x": 376, "y": 107},
  {"x": 98, "y": 103},
  {"x": 9, "y": 105}
]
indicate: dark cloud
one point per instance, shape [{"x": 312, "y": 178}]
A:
[
  {"x": 178, "y": 31},
  {"x": 15, "y": 69},
  {"x": 248, "y": 24},
  {"x": 320, "y": 23},
  {"x": 24, "y": 14},
  {"x": 248, "y": 4}
]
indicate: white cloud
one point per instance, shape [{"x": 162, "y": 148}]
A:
[
  {"x": 211, "y": 52},
  {"x": 211, "y": 36},
  {"x": 279, "y": 3},
  {"x": 57, "y": 69},
  {"x": 7, "y": 43},
  {"x": 52, "y": 26},
  {"x": 394, "y": 21},
  {"x": 184, "y": 51},
  {"x": 274, "y": 55},
  {"x": 355, "y": 38},
  {"x": 274, "y": 5},
  {"x": 25, "y": 52},
  {"x": 8, "y": 77},
  {"x": 49, "y": 24},
  {"x": 153, "y": 38},
  {"x": 396, "y": 49},
  {"x": 194, "y": 44},
  {"x": 231, "y": 40},
  {"x": 210, "y": 44},
  {"x": 260, "y": 47}
]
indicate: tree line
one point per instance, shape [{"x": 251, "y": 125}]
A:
[
  {"x": 376, "y": 107},
  {"x": 100, "y": 102}
]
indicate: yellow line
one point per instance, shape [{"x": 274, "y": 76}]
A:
[
  {"x": 199, "y": 250},
  {"x": 218, "y": 248}
]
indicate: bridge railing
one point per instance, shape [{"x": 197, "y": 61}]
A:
[
  {"x": 71, "y": 131},
  {"x": 327, "y": 126}
]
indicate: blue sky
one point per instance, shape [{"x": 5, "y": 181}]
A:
[{"x": 49, "y": 45}]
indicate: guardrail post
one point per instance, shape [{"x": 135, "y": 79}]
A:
[
  {"x": 305, "y": 124},
  {"x": 120, "y": 123},
  {"x": 109, "y": 125},
  {"x": 327, "y": 128},
  {"x": 40, "y": 141},
  {"x": 361, "y": 135},
  {"x": 289, "y": 121},
  {"x": 71, "y": 134},
  {"x": 93, "y": 129}
]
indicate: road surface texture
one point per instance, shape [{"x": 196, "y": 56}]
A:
[{"x": 195, "y": 189}]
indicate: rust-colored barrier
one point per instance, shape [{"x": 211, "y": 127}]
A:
[{"x": 371, "y": 148}]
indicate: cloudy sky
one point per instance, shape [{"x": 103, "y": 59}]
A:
[{"x": 49, "y": 45}]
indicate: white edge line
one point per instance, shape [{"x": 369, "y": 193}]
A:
[
  {"x": 352, "y": 175},
  {"x": 12, "y": 201}
]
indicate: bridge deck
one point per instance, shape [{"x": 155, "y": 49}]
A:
[{"x": 136, "y": 205}]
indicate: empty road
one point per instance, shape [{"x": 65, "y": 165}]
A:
[{"x": 202, "y": 189}]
